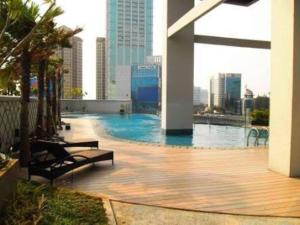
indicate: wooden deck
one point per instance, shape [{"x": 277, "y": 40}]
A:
[{"x": 225, "y": 181}]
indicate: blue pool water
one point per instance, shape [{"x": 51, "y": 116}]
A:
[{"x": 146, "y": 128}]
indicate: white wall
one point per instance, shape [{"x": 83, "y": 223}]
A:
[
  {"x": 284, "y": 153},
  {"x": 95, "y": 106},
  {"x": 123, "y": 82}
]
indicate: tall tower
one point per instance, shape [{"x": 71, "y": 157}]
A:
[
  {"x": 101, "y": 80},
  {"x": 77, "y": 62},
  {"x": 216, "y": 92},
  {"x": 232, "y": 91},
  {"x": 72, "y": 57},
  {"x": 129, "y": 37}
]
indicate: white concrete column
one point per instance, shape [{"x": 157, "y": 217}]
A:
[
  {"x": 284, "y": 152},
  {"x": 177, "y": 71}
]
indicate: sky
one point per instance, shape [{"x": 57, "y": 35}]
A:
[{"x": 226, "y": 21}]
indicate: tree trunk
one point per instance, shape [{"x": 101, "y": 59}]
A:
[
  {"x": 59, "y": 84},
  {"x": 54, "y": 103},
  {"x": 24, "y": 115},
  {"x": 40, "y": 129},
  {"x": 48, "y": 104}
]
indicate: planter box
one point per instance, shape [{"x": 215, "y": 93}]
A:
[{"x": 8, "y": 181}]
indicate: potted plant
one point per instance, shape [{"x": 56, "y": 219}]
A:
[
  {"x": 4, "y": 159},
  {"x": 9, "y": 174},
  {"x": 122, "y": 110}
]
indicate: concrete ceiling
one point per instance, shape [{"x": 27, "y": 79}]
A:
[{"x": 240, "y": 2}]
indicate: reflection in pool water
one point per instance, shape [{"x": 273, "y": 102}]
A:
[{"x": 146, "y": 128}]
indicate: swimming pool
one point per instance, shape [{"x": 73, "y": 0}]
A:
[{"x": 146, "y": 128}]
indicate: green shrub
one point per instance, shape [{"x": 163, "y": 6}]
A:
[
  {"x": 45, "y": 205},
  {"x": 260, "y": 117}
]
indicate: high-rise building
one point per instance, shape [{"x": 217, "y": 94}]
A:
[
  {"x": 225, "y": 92},
  {"x": 233, "y": 92},
  {"x": 204, "y": 96},
  {"x": 154, "y": 59},
  {"x": 72, "y": 58},
  {"x": 197, "y": 96},
  {"x": 200, "y": 96},
  {"x": 101, "y": 80},
  {"x": 216, "y": 92},
  {"x": 77, "y": 62},
  {"x": 129, "y": 37}
]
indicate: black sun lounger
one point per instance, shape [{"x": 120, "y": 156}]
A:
[
  {"x": 92, "y": 143},
  {"x": 81, "y": 143},
  {"x": 51, "y": 160}
]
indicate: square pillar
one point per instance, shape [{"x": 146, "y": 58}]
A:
[
  {"x": 284, "y": 149},
  {"x": 177, "y": 71}
]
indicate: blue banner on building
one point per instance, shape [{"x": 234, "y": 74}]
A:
[{"x": 145, "y": 91}]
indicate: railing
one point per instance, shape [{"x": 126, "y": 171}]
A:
[
  {"x": 257, "y": 134},
  {"x": 220, "y": 120},
  {"x": 10, "y": 108}
]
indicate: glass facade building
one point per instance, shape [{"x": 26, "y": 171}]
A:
[
  {"x": 225, "y": 92},
  {"x": 232, "y": 93},
  {"x": 145, "y": 88},
  {"x": 129, "y": 36}
]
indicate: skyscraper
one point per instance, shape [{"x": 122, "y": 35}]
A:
[
  {"x": 200, "y": 96},
  {"x": 77, "y": 62},
  {"x": 197, "y": 96},
  {"x": 100, "y": 69},
  {"x": 232, "y": 91},
  {"x": 129, "y": 37},
  {"x": 72, "y": 57},
  {"x": 216, "y": 92},
  {"x": 225, "y": 91}
]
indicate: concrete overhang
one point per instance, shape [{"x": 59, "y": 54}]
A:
[
  {"x": 232, "y": 42},
  {"x": 200, "y": 10},
  {"x": 241, "y": 2}
]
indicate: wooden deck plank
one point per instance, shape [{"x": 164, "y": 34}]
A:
[{"x": 226, "y": 181}]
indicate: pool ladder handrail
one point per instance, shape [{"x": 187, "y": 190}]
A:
[{"x": 259, "y": 133}]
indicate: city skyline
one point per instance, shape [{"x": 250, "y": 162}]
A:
[
  {"x": 129, "y": 30},
  {"x": 252, "y": 23}
]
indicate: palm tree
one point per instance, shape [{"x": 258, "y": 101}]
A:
[
  {"x": 60, "y": 72},
  {"x": 20, "y": 30},
  {"x": 21, "y": 44},
  {"x": 49, "y": 40},
  {"x": 41, "y": 90},
  {"x": 44, "y": 49},
  {"x": 48, "y": 101},
  {"x": 25, "y": 99},
  {"x": 57, "y": 63},
  {"x": 13, "y": 12}
]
